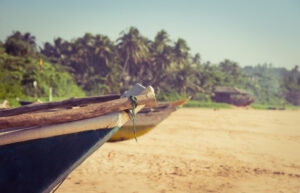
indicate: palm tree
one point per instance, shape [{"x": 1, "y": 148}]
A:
[
  {"x": 231, "y": 69},
  {"x": 27, "y": 37},
  {"x": 181, "y": 53},
  {"x": 161, "y": 41},
  {"x": 196, "y": 60},
  {"x": 161, "y": 57},
  {"x": 21, "y": 45},
  {"x": 104, "y": 50},
  {"x": 106, "y": 63},
  {"x": 133, "y": 49}
]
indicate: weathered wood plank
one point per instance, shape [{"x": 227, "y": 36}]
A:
[
  {"x": 95, "y": 123},
  {"x": 59, "y": 104},
  {"x": 46, "y": 118}
]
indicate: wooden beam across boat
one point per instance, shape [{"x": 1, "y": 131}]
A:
[
  {"x": 114, "y": 119},
  {"x": 58, "y": 104},
  {"x": 45, "y": 118}
]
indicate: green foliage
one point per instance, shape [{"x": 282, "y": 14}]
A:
[
  {"x": 19, "y": 44},
  {"x": 292, "y": 86},
  {"x": 231, "y": 71},
  {"x": 62, "y": 83},
  {"x": 2, "y": 48},
  {"x": 170, "y": 95},
  {"x": 265, "y": 83},
  {"x": 91, "y": 59},
  {"x": 274, "y": 106},
  {"x": 133, "y": 49},
  {"x": 202, "y": 97},
  {"x": 292, "y": 80},
  {"x": 17, "y": 75},
  {"x": 13, "y": 102},
  {"x": 202, "y": 104},
  {"x": 10, "y": 77},
  {"x": 99, "y": 66}
]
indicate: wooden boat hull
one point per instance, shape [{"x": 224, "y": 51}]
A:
[
  {"x": 242, "y": 101},
  {"x": 147, "y": 119},
  {"x": 178, "y": 103},
  {"x": 126, "y": 132},
  {"x": 39, "y": 149},
  {"x": 145, "y": 122},
  {"x": 41, "y": 164}
]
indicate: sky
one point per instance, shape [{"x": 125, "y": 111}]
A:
[{"x": 249, "y": 32}]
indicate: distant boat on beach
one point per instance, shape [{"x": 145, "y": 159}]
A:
[
  {"x": 38, "y": 150},
  {"x": 231, "y": 95}
]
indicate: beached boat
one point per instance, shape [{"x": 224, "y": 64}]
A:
[
  {"x": 146, "y": 120},
  {"x": 231, "y": 95},
  {"x": 39, "y": 149},
  {"x": 241, "y": 100}
]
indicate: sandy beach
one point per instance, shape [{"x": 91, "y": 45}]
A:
[{"x": 200, "y": 150}]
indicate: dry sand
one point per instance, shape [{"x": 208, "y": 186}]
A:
[{"x": 200, "y": 150}]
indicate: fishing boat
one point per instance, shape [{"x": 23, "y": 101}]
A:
[
  {"x": 146, "y": 120},
  {"x": 38, "y": 150},
  {"x": 231, "y": 95},
  {"x": 241, "y": 100}
]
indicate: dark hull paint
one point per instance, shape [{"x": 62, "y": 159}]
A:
[{"x": 40, "y": 165}]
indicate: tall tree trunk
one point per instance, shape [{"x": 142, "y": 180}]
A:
[{"x": 125, "y": 73}]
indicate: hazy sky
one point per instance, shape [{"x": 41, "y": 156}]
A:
[{"x": 246, "y": 31}]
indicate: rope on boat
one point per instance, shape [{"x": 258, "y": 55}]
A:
[{"x": 134, "y": 103}]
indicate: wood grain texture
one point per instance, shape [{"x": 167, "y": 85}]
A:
[
  {"x": 46, "y": 118},
  {"x": 58, "y": 104}
]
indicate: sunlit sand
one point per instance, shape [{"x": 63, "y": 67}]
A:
[{"x": 200, "y": 150}]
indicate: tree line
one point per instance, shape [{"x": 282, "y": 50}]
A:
[{"x": 95, "y": 64}]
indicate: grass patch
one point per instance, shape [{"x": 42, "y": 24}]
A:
[
  {"x": 202, "y": 104},
  {"x": 274, "y": 107}
]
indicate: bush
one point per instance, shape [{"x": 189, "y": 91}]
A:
[
  {"x": 203, "y": 104},
  {"x": 17, "y": 75}
]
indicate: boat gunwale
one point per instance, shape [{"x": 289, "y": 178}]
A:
[{"x": 114, "y": 119}]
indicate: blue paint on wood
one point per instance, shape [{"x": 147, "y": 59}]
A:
[{"x": 39, "y": 165}]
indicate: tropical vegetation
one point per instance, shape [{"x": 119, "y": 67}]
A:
[{"x": 94, "y": 64}]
